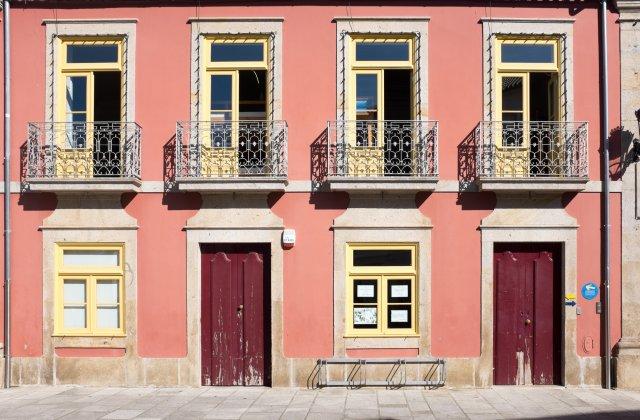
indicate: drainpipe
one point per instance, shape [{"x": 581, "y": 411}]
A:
[
  {"x": 604, "y": 121},
  {"x": 7, "y": 195}
]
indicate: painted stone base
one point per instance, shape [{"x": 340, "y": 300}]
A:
[{"x": 627, "y": 364}]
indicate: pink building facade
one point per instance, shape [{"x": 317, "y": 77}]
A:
[{"x": 228, "y": 193}]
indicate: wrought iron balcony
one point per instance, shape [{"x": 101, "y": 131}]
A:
[
  {"x": 544, "y": 155},
  {"x": 87, "y": 156},
  {"x": 231, "y": 155},
  {"x": 382, "y": 155}
]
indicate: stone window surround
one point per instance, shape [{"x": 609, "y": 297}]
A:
[
  {"x": 91, "y": 27},
  {"x": 201, "y": 27},
  {"x": 399, "y": 222},
  {"x": 513, "y": 26},
  {"x": 76, "y": 220},
  {"x": 380, "y": 25}
]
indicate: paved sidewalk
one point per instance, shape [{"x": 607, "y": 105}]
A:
[{"x": 69, "y": 402}]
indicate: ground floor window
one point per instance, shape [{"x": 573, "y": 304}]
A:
[
  {"x": 89, "y": 289},
  {"x": 381, "y": 290}
]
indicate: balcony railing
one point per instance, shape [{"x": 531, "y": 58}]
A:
[
  {"x": 532, "y": 149},
  {"x": 82, "y": 151},
  {"x": 231, "y": 149},
  {"x": 383, "y": 149}
]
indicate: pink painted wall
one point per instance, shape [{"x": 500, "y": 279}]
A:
[{"x": 309, "y": 78}]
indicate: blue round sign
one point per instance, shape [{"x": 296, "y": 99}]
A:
[{"x": 589, "y": 290}]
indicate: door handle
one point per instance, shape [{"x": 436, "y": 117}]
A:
[
  {"x": 240, "y": 308},
  {"x": 527, "y": 322}
]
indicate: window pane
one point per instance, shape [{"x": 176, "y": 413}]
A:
[
  {"x": 382, "y": 51},
  {"x": 399, "y": 291},
  {"x": 108, "y": 318},
  {"x": 92, "y": 53},
  {"x": 86, "y": 257},
  {"x": 74, "y": 291},
  {"x": 365, "y": 317},
  {"x": 382, "y": 257},
  {"x": 367, "y": 96},
  {"x": 365, "y": 291},
  {"x": 527, "y": 53},
  {"x": 107, "y": 291},
  {"x": 77, "y": 93},
  {"x": 221, "y": 92},
  {"x": 399, "y": 316},
  {"x": 75, "y": 317},
  {"x": 512, "y": 93},
  {"x": 237, "y": 52}
]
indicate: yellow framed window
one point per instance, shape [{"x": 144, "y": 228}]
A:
[
  {"x": 381, "y": 74},
  {"x": 381, "y": 290},
  {"x": 89, "y": 86},
  {"x": 527, "y": 70},
  {"x": 235, "y": 83},
  {"x": 89, "y": 290}
]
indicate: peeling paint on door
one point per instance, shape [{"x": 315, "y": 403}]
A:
[
  {"x": 527, "y": 314},
  {"x": 233, "y": 314}
]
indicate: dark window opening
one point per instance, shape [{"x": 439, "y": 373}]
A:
[
  {"x": 382, "y": 257},
  {"x": 253, "y": 131},
  {"x": 399, "y": 134},
  {"x": 107, "y": 156}
]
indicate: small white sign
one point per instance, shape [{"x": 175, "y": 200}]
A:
[
  {"x": 399, "y": 291},
  {"x": 289, "y": 237},
  {"x": 399, "y": 315},
  {"x": 365, "y": 291}
]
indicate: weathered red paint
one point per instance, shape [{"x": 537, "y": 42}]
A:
[
  {"x": 527, "y": 314},
  {"x": 233, "y": 315}
]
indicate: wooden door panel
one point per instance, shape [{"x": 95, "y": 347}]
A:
[
  {"x": 253, "y": 323},
  {"x": 233, "y": 315},
  {"x": 526, "y": 305},
  {"x": 543, "y": 352},
  {"x": 505, "y": 329}
]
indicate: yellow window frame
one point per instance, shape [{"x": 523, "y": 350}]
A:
[
  {"x": 91, "y": 275},
  {"x": 210, "y": 68},
  {"x": 382, "y": 275},
  {"x": 65, "y": 69},
  {"x": 382, "y": 38},
  {"x": 524, "y": 71},
  {"x": 377, "y": 68}
]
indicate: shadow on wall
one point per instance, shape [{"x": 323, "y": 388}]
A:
[
  {"x": 467, "y": 168},
  {"x": 621, "y": 153},
  {"x": 169, "y": 167},
  {"x": 319, "y": 155}
]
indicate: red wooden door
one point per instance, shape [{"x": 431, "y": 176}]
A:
[
  {"x": 234, "y": 350},
  {"x": 527, "y": 321}
]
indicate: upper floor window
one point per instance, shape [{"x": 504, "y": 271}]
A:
[
  {"x": 381, "y": 290},
  {"x": 527, "y": 88},
  {"x": 90, "y": 86},
  {"x": 89, "y": 290}
]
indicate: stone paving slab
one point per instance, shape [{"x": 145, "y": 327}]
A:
[{"x": 74, "y": 402}]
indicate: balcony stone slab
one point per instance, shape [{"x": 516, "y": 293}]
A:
[
  {"x": 231, "y": 185},
  {"x": 83, "y": 185},
  {"x": 546, "y": 185},
  {"x": 399, "y": 184}
]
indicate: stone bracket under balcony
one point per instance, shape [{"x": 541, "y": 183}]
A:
[
  {"x": 231, "y": 185},
  {"x": 546, "y": 185},
  {"x": 78, "y": 185},
  {"x": 398, "y": 184}
]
